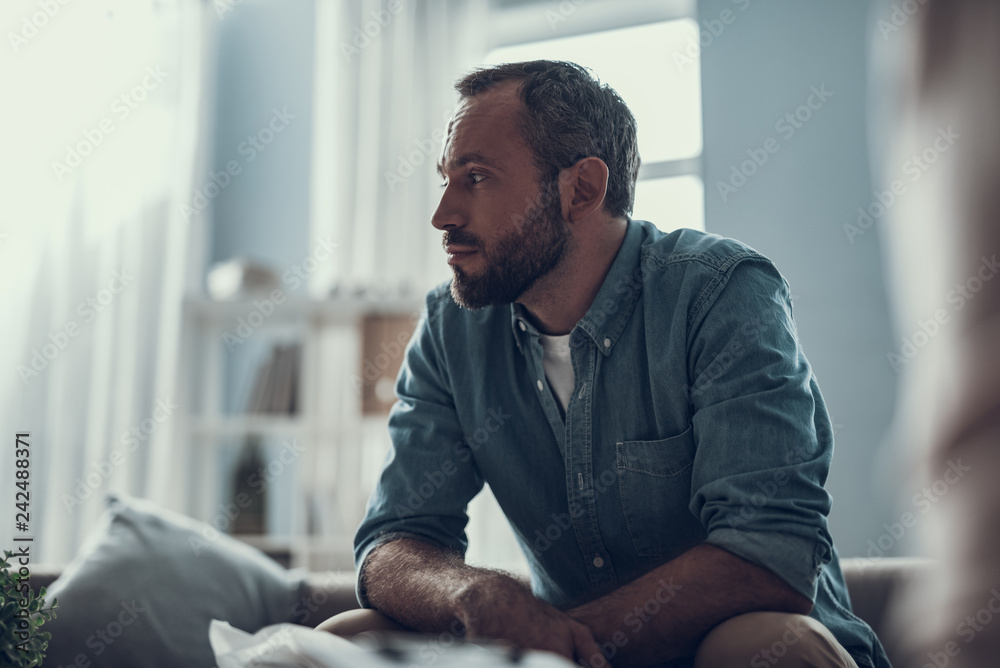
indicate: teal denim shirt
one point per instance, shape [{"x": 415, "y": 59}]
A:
[{"x": 695, "y": 418}]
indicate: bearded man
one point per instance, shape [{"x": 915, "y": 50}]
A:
[{"x": 637, "y": 401}]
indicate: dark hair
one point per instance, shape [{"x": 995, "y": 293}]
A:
[{"x": 569, "y": 115}]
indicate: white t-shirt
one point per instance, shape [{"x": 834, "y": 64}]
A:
[{"x": 558, "y": 366}]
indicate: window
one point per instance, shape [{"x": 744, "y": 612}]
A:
[{"x": 656, "y": 70}]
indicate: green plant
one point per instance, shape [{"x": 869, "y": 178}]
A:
[{"x": 21, "y": 647}]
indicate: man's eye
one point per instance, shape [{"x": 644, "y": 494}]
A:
[{"x": 475, "y": 177}]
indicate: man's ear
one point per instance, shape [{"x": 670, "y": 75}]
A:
[{"x": 583, "y": 187}]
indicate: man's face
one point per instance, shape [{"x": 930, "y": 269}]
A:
[{"x": 502, "y": 230}]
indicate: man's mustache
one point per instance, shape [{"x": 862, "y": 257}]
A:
[{"x": 460, "y": 239}]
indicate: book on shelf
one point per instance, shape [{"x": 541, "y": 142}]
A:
[
  {"x": 275, "y": 391},
  {"x": 275, "y": 388}
]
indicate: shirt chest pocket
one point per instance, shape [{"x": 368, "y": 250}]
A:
[{"x": 654, "y": 480}]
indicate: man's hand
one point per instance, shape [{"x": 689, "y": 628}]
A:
[
  {"x": 496, "y": 606},
  {"x": 427, "y": 589}
]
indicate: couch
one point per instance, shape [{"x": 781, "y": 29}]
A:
[{"x": 873, "y": 586}]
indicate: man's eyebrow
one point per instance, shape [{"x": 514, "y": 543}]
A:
[{"x": 465, "y": 159}]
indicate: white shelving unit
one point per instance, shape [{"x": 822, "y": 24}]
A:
[{"x": 328, "y": 425}]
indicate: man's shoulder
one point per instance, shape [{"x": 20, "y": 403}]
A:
[
  {"x": 691, "y": 268},
  {"x": 685, "y": 245}
]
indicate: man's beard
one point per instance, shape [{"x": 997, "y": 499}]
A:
[{"x": 513, "y": 263}]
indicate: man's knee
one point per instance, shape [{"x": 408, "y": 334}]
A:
[
  {"x": 771, "y": 639},
  {"x": 353, "y": 622}
]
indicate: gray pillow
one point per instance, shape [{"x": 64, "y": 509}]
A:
[{"x": 143, "y": 590}]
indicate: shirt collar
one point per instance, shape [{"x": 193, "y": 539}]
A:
[{"x": 609, "y": 312}]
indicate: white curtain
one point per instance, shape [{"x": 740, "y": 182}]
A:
[
  {"x": 385, "y": 75},
  {"x": 103, "y": 110},
  {"x": 385, "y": 72}
]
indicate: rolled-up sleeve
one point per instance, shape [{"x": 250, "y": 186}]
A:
[
  {"x": 764, "y": 439},
  {"x": 429, "y": 475}
]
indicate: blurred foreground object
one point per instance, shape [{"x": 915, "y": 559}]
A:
[
  {"x": 293, "y": 645},
  {"x": 944, "y": 237}
]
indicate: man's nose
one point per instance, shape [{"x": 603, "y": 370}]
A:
[{"x": 448, "y": 215}]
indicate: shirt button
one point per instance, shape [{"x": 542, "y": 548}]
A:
[
  {"x": 598, "y": 562},
  {"x": 539, "y": 383},
  {"x": 607, "y": 343},
  {"x": 520, "y": 323}
]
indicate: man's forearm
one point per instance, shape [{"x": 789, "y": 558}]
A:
[
  {"x": 665, "y": 613},
  {"x": 431, "y": 590},
  {"x": 421, "y": 585}
]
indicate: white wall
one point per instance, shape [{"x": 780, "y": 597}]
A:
[
  {"x": 265, "y": 62},
  {"x": 761, "y": 66}
]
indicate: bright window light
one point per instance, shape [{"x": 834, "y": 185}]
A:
[
  {"x": 658, "y": 75},
  {"x": 671, "y": 203},
  {"x": 638, "y": 62}
]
